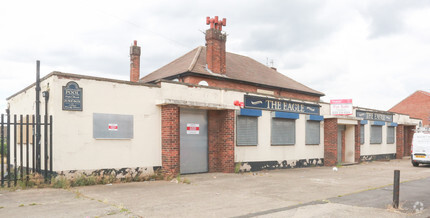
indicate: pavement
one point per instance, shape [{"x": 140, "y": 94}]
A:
[{"x": 362, "y": 190}]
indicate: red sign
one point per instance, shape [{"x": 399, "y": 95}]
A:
[
  {"x": 113, "y": 127},
  {"x": 193, "y": 128},
  {"x": 341, "y": 107},
  {"x": 341, "y": 101}
]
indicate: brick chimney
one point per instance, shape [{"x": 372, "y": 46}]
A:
[
  {"x": 215, "y": 45},
  {"x": 134, "y": 62}
]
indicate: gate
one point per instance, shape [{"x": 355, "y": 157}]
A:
[{"x": 22, "y": 149}]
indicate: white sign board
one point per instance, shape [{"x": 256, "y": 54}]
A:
[
  {"x": 341, "y": 107},
  {"x": 193, "y": 128}
]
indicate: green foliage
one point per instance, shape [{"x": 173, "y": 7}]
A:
[
  {"x": 60, "y": 182},
  {"x": 237, "y": 167},
  {"x": 4, "y": 149},
  {"x": 83, "y": 180}
]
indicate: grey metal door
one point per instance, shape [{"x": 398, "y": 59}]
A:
[
  {"x": 340, "y": 130},
  {"x": 193, "y": 141}
]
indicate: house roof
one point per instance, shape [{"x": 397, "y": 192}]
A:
[
  {"x": 238, "y": 67},
  {"x": 416, "y": 92}
]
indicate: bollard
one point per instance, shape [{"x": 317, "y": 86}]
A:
[{"x": 396, "y": 189}]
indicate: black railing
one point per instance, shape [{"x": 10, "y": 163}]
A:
[{"x": 17, "y": 138}]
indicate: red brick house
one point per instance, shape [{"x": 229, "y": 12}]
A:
[{"x": 416, "y": 105}]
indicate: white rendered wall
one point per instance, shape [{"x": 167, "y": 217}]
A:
[
  {"x": 74, "y": 147},
  {"x": 264, "y": 151}
]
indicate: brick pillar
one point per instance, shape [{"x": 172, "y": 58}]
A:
[
  {"x": 134, "y": 62},
  {"x": 330, "y": 141},
  {"x": 215, "y": 50},
  {"x": 400, "y": 141},
  {"x": 343, "y": 145},
  {"x": 409, "y": 132},
  {"x": 357, "y": 142},
  {"x": 170, "y": 139},
  {"x": 221, "y": 140}
]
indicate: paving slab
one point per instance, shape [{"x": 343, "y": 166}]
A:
[{"x": 219, "y": 195}]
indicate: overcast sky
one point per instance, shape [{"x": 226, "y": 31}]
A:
[{"x": 375, "y": 52}]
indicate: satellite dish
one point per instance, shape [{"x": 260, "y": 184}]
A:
[{"x": 203, "y": 83}]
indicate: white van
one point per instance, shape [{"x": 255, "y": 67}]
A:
[{"x": 420, "y": 151}]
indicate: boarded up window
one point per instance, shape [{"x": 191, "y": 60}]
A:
[
  {"x": 283, "y": 131},
  {"x": 112, "y": 126},
  {"x": 361, "y": 134},
  {"x": 312, "y": 132},
  {"x": 375, "y": 134},
  {"x": 390, "y": 135},
  {"x": 247, "y": 130},
  {"x": 24, "y": 131}
]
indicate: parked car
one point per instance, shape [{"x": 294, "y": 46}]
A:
[{"x": 420, "y": 150}]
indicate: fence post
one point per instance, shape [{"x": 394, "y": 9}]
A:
[
  {"x": 2, "y": 150},
  {"x": 27, "y": 145},
  {"x": 15, "y": 169},
  {"x": 396, "y": 189},
  {"x": 38, "y": 162},
  {"x": 50, "y": 145},
  {"x": 8, "y": 146}
]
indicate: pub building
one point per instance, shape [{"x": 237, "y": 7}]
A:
[{"x": 207, "y": 111}]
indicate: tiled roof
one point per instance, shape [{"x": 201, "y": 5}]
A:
[{"x": 238, "y": 67}]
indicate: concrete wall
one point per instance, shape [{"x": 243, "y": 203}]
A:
[{"x": 73, "y": 142}]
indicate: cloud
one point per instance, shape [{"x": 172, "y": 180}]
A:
[{"x": 373, "y": 52}]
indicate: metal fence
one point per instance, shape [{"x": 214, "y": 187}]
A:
[{"x": 22, "y": 151}]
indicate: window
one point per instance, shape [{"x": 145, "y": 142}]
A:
[
  {"x": 247, "y": 130},
  {"x": 312, "y": 132},
  {"x": 283, "y": 131},
  {"x": 375, "y": 134},
  {"x": 361, "y": 134},
  {"x": 390, "y": 135}
]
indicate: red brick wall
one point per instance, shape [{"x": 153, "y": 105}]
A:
[
  {"x": 409, "y": 132},
  {"x": 221, "y": 140},
  {"x": 343, "y": 145},
  {"x": 416, "y": 105},
  {"x": 247, "y": 88},
  {"x": 215, "y": 52},
  {"x": 134, "y": 62},
  {"x": 170, "y": 139},
  {"x": 357, "y": 142},
  {"x": 400, "y": 144},
  {"x": 330, "y": 142}
]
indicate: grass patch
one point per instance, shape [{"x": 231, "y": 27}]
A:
[
  {"x": 237, "y": 167},
  {"x": 179, "y": 179},
  {"x": 21, "y": 205},
  {"x": 60, "y": 182},
  {"x": 36, "y": 180}
]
